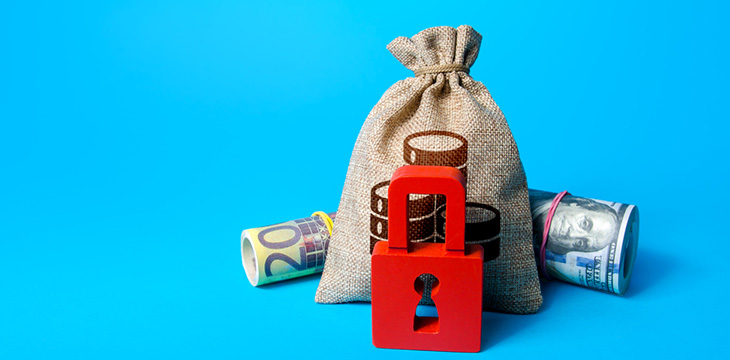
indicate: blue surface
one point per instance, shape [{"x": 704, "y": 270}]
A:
[{"x": 137, "y": 140}]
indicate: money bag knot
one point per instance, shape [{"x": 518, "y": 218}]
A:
[
  {"x": 435, "y": 69},
  {"x": 438, "y": 50}
]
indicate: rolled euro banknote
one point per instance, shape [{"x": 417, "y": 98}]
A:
[
  {"x": 591, "y": 243},
  {"x": 287, "y": 250}
]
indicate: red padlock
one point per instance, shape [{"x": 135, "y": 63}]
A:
[{"x": 397, "y": 264}]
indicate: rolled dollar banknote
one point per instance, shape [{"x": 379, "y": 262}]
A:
[
  {"x": 591, "y": 243},
  {"x": 287, "y": 250}
]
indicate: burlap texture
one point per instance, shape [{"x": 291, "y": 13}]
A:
[{"x": 437, "y": 118}]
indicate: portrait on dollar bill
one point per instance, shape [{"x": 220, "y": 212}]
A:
[{"x": 579, "y": 224}]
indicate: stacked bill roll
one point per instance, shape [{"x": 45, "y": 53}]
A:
[
  {"x": 283, "y": 251},
  {"x": 591, "y": 243}
]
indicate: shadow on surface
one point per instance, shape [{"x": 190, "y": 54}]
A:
[
  {"x": 650, "y": 269},
  {"x": 289, "y": 282},
  {"x": 497, "y": 327}
]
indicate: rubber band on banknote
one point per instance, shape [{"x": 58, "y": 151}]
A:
[
  {"x": 327, "y": 220},
  {"x": 546, "y": 231}
]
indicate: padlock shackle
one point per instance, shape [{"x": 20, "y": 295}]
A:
[{"x": 419, "y": 179}]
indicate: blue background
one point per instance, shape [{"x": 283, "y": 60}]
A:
[{"x": 138, "y": 138}]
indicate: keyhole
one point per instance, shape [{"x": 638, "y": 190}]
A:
[{"x": 426, "y": 317}]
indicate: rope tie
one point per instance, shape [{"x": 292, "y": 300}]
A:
[{"x": 444, "y": 68}]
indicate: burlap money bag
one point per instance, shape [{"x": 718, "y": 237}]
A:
[{"x": 442, "y": 116}]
